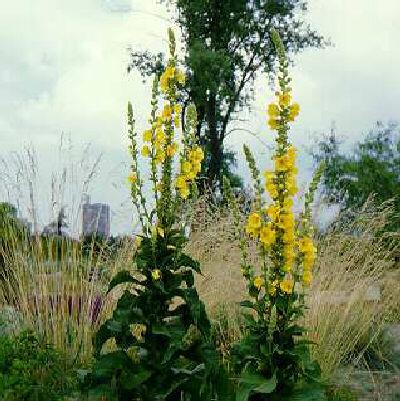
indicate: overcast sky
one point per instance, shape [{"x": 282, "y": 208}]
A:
[{"x": 63, "y": 69}]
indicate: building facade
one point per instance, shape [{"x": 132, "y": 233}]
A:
[{"x": 96, "y": 219}]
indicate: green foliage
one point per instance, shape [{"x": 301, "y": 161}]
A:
[
  {"x": 161, "y": 331},
  {"x": 342, "y": 393},
  {"x": 274, "y": 357},
  {"x": 371, "y": 168},
  {"x": 227, "y": 45},
  {"x": 30, "y": 370}
]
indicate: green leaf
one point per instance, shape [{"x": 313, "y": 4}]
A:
[
  {"x": 122, "y": 277},
  {"x": 247, "y": 304},
  {"x": 186, "y": 261}
]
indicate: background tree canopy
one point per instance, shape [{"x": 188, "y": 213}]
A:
[
  {"x": 372, "y": 167},
  {"x": 227, "y": 43}
]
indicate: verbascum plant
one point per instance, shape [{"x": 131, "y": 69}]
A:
[
  {"x": 273, "y": 358},
  {"x": 156, "y": 344}
]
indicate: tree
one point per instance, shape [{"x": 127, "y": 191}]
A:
[
  {"x": 371, "y": 168},
  {"x": 228, "y": 43}
]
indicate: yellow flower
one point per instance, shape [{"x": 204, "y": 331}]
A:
[
  {"x": 254, "y": 221},
  {"x": 132, "y": 178},
  {"x": 180, "y": 77},
  {"x": 186, "y": 167},
  {"x": 286, "y": 286},
  {"x": 171, "y": 149},
  {"x": 273, "y": 110},
  {"x": 287, "y": 205},
  {"x": 167, "y": 113},
  {"x": 258, "y": 282},
  {"x": 145, "y": 151},
  {"x": 273, "y": 212},
  {"x": 291, "y": 152},
  {"x": 273, "y": 123},
  {"x": 271, "y": 189},
  {"x": 196, "y": 155},
  {"x": 177, "y": 109},
  {"x": 287, "y": 221},
  {"x": 196, "y": 167},
  {"x": 191, "y": 175},
  {"x": 294, "y": 111},
  {"x": 269, "y": 176},
  {"x": 306, "y": 245},
  {"x": 160, "y": 157},
  {"x": 147, "y": 135},
  {"x": 282, "y": 163},
  {"x": 164, "y": 83},
  {"x": 184, "y": 192},
  {"x": 267, "y": 235},
  {"x": 284, "y": 99},
  {"x": 288, "y": 237},
  {"x": 307, "y": 278},
  {"x": 180, "y": 182},
  {"x": 160, "y": 136},
  {"x": 272, "y": 288},
  {"x": 138, "y": 331},
  {"x": 170, "y": 72},
  {"x": 156, "y": 274}
]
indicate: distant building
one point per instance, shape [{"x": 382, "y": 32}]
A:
[{"x": 95, "y": 218}]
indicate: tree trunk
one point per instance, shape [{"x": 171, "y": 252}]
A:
[{"x": 215, "y": 150}]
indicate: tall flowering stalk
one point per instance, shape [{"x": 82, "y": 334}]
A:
[
  {"x": 156, "y": 344},
  {"x": 272, "y": 358}
]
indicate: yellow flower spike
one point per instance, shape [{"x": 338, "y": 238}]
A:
[
  {"x": 258, "y": 282},
  {"x": 177, "y": 122},
  {"x": 145, "y": 151},
  {"x": 156, "y": 274},
  {"x": 286, "y": 286},
  {"x": 147, "y": 135},
  {"x": 273, "y": 110},
  {"x": 132, "y": 178}
]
